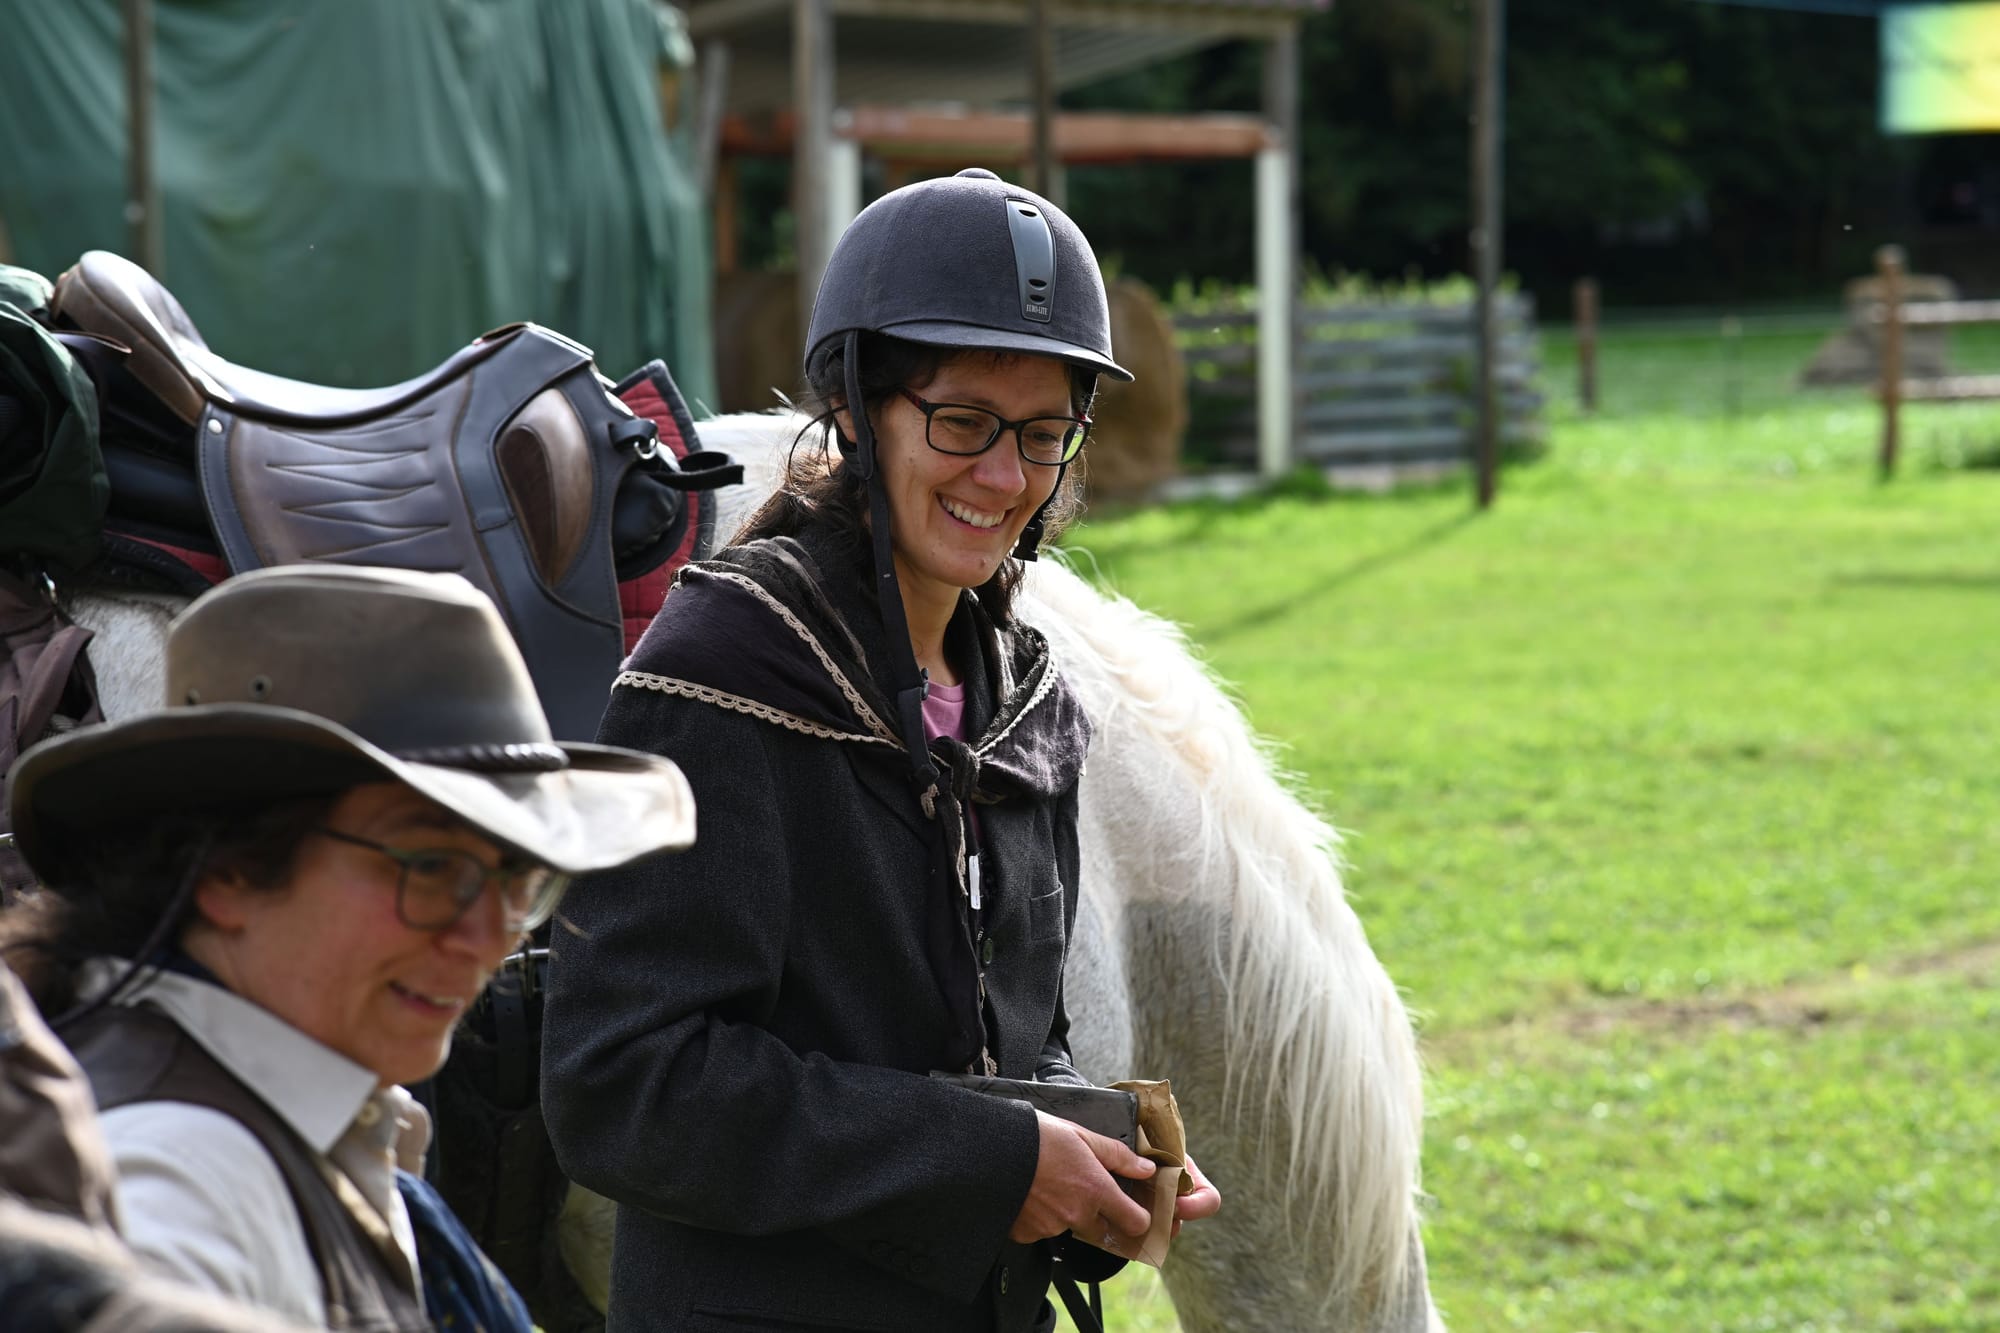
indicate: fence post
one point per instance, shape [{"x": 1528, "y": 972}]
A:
[
  {"x": 1889, "y": 265},
  {"x": 1584, "y": 300}
]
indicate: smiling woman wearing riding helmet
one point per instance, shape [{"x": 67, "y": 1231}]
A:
[
  {"x": 886, "y": 760},
  {"x": 268, "y": 903}
]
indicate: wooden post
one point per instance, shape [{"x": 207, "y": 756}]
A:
[
  {"x": 1889, "y": 265},
  {"x": 725, "y": 205},
  {"x": 142, "y": 188},
  {"x": 1486, "y": 243},
  {"x": 1278, "y": 260},
  {"x": 1585, "y": 299},
  {"x": 812, "y": 146},
  {"x": 1042, "y": 79},
  {"x": 711, "y": 102}
]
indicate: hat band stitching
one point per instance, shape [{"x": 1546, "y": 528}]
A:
[{"x": 523, "y": 757}]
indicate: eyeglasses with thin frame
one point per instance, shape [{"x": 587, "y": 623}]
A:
[
  {"x": 959, "y": 428},
  {"x": 436, "y": 885}
]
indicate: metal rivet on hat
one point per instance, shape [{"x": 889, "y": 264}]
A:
[{"x": 260, "y": 686}]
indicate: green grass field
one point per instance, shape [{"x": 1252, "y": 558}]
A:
[{"x": 1671, "y": 789}]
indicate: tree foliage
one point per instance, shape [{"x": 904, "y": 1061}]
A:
[{"x": 1680, "y": 149}]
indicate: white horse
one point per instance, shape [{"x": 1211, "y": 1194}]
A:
[{"x": 1214, "y": 947}]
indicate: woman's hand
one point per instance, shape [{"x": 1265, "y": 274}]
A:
[
  {"x": 1204, "y": 1200},
  {"x": 1073, "y": 1185}
]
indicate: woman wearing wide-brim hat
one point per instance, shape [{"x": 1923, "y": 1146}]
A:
[{"x": 268, "y": 903}]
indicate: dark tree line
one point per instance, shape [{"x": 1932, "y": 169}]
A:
[{"x": 1678, "y": 150}]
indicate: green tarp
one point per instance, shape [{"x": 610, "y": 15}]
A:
[{"x": 352, "y": 189}]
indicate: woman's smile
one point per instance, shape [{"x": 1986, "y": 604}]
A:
[
  {"x": 979, "y": 519},
  {"x": 956, "y": 517}
]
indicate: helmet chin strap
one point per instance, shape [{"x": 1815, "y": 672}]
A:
[
  {"x": 909, "y": 683},
  {"x": 1029, "y": 546}
]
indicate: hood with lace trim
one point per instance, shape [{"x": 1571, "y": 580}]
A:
[{"x": 786, "y": 630}]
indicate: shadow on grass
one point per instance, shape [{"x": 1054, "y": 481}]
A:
[
  {"x": 1255, "y": 617},
  {"x": 1199, "y": 517},
  {"x": 1959, "y": 580}
]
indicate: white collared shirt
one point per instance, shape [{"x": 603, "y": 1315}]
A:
[{"x": 200, "y": 1198}]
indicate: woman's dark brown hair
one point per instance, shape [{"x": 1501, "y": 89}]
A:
[
  {"x": 117, "y": 888},
  {"x": 817, "y": 490}
]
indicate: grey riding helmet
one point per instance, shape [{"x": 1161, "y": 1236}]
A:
[
  {"x": 967, "y": 261},
  {"x": 964, "y": 262}
]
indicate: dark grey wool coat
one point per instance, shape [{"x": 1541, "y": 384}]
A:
[{"x": 737, "y": 1039}]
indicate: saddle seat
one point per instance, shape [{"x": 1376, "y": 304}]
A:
[{"x": 109, "y": 295}]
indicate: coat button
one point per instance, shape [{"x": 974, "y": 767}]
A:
[{"x": 986, "y": 952}]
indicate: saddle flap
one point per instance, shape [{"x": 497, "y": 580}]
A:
[{"x": 546, "y": 466}]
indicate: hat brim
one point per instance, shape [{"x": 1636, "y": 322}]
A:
[
  {"x": 607, "y": 808},
  {"x": 946, "y": 333}
]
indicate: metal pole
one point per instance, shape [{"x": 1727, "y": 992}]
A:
[
  {"x": 1889, "y": 264},
  {"x": 142, "y": 191},
  {"x": 1487, "y": 240},
  {"x": 1586, "y": 301},
  {"x": 1278, "y": 413},
  {"x": 812, "y": 145},
  {"x": 1042, "y": 78}
]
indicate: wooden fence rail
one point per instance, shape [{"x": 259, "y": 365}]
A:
[{"x": 1376, "y": 382}]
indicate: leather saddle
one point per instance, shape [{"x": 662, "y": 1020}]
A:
[{"x": 511, "y": 463}]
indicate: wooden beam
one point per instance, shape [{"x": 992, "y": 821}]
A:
[
  {"x": 1488, "y": 211},
  {"x": 1889, "y": 264},
  {"x": 1585, "y": 300},
  {"x": 1042, "y": 83},
  {"x": 812, "y": 98},
  {"x": 712, "y": 18},
  {"x": 1077, "y": 137},
  {"x": 1229, "y": 18},
  {"x": 142, "y": 188}
]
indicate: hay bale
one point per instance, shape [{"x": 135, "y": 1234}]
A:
[
  {"x": 1852, "y": 354},
  {"x": 1136, "y": 443}
]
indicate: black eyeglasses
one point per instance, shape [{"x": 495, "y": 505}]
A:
[
  {"x": 955, "y": 428},
  {"x": 435, "y": 885}
]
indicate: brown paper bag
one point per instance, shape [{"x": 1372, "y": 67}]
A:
[{"x": 1163, "y": 1139}]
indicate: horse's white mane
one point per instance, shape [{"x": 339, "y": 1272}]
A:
[{"x": 1326, "y": 1045}]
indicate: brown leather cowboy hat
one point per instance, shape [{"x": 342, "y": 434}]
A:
[{"x": 305, "y": 680}]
